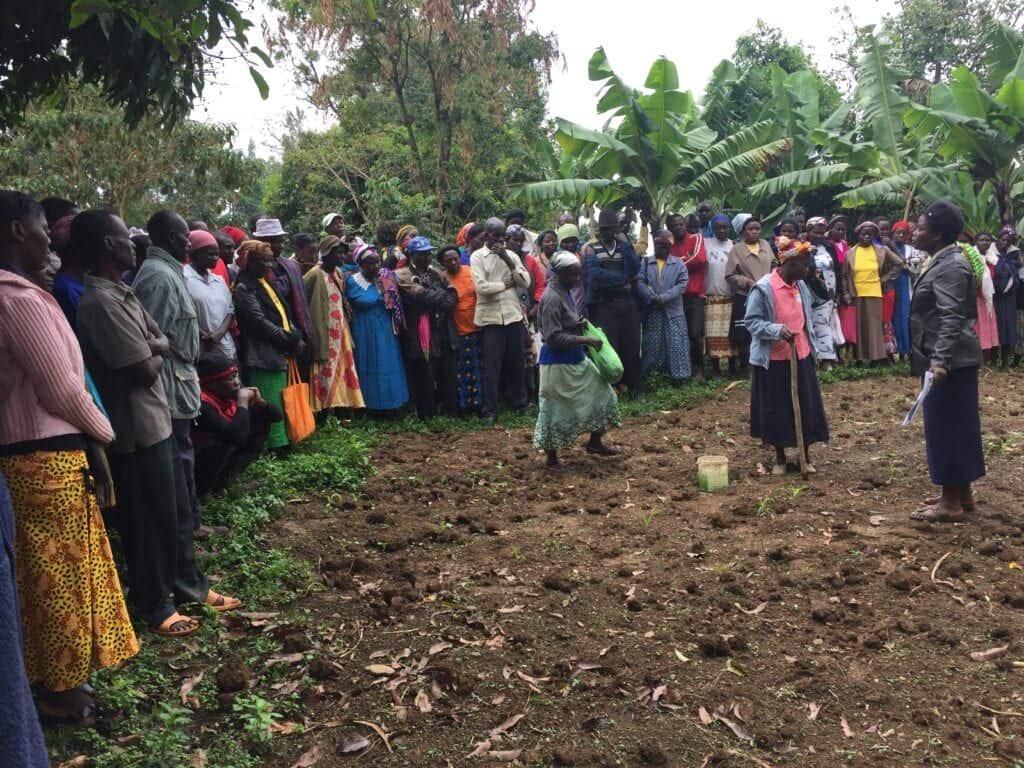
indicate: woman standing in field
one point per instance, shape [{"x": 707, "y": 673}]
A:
[
  {"x": 869, "y": 267},
  {"x": 942, "y": 317}
]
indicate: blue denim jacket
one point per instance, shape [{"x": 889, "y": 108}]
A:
[{"x": 760, "y": 320}]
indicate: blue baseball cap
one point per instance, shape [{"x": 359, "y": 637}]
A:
[{"x": 419, "y": 245}]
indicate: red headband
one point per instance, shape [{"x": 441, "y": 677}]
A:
[{"x": 229, "y": 371}]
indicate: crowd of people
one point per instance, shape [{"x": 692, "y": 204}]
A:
[{"x": 145, "y": 368}]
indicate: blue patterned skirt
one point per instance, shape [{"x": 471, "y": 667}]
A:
[
  {"x": 666, "y": 345},
  {"x": 469, "y": 373}
]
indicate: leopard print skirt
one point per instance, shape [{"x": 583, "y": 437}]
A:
[{"x": 73, "y": 614}]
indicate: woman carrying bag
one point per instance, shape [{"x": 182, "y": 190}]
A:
[{"x": 271, "y": 341}]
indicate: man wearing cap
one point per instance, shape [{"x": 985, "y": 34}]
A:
[
  {"x": 334, "y": 224},
  {"x": 611, "y": 269},
  {"x": 427, "y": 300},
  {"x": 214, "y": 307},
  {"x": 498, "y": 274}
]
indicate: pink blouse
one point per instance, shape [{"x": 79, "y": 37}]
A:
[{"x": 789, "y": 311}]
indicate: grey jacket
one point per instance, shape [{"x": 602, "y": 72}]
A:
[
  {"x": 669, "y": 285},
  {"x": 943, "y": 312},
  {"x": 760, "y": 320}
]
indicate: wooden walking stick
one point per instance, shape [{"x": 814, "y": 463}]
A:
[{"x": 794, "y": 392}]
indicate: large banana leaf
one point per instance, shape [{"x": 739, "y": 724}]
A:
[
  {"x": 576, "y": 139},
  {"x": 879, "y": 96},
  {"x": 740, "y": 142},
  {"x": 807, "y": 178},
  {"x": 575, "y": 191},
  {"x": 1003, "y": 47},
  {"x": 737, "y": 169},
  {"x": 888, "y": 189}
]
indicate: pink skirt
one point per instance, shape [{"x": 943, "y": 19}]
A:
[
  {"x": 848, "y": 323},
  {"x": 988, "y": 333}
]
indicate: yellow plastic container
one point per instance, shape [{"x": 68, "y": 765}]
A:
[{"x": 713, "y": 473}]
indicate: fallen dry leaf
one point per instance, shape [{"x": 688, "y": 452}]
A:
[
  {"x": 705, "y": 716},
  {"x": 309, "y": 758},
  {"x": 752, "y": 611},
  {"x": 876, "y": 520},
  {"x": 736, "y": 728},
  {"x": 814, "y": 709},
  {"x": 422, "y": 702},
  {"x": 285, "y": 658},
  {"x": 506, "y": 755},
  {"x": 380, "y": 669},
  {"x": 384, "y": 735},
  {"x": 681, "y": 657},
  {"x": 511, "y": 609},
  {"x": 285, "y": 728},
  {"x": 480, "y": 748},
  {"x": 75, "y": 762},
  {"x": 355, "y": 744},
  {"x": 187, "y": 685},
  {"x": 847, "y": 731},
  {"x": 436, "y": 648},
  {"x": 532, "y": 680},
  {"x": 506, "y": 726},
  {"x": 990, "y": 654}
]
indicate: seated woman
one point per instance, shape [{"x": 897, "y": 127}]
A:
[
  {"x": 333, "y": 381},
  {"x": 377, "y": 319},
  {"x": 574, "y": 398},
  {"x": 232, "y": 425},
  {"x": 779, "y": 315}
]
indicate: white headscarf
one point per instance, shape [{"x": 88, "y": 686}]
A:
[{"x": 564, "y": 260}]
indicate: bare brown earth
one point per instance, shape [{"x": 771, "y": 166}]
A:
[{"x": 616, "y": 616}]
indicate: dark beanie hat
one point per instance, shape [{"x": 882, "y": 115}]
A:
[
  {"x": 608, "y": 218},
  {"x": 946, "y": 219},
  {"x": 214, "y": 365}
]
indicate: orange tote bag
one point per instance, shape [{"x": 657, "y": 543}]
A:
[{"x": 298, "y": 416}]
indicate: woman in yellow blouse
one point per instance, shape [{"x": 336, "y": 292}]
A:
[{"x": 868, "y": 269}]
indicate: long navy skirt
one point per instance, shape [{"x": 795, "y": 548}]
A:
[
  {"x": 21, "y": 740},
  {"x": 771, "y": 404},
  {"x": 952, "y": 429}
]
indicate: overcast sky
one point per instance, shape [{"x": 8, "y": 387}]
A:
[{"x": 696, "y": 36}]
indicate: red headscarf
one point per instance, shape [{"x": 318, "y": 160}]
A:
[
  {"x": 236, "y": 234},
  {"x": 901, "y": 225},
  {"x": 464, "y": 233}
]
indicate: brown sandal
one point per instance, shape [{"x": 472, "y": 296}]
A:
[
  {"x": 934, "y": 514},
  {"x": 222, "y": 603},
  {"x": 165, "y": 628}
]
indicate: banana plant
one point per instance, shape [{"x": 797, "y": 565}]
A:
[
  {"x": 982, "y": 130},
  {"x": 653, "y": 146}
]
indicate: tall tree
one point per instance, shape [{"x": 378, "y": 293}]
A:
[
  {"x": 85, "y": 152},
  {"x": 465, "y": 81},
  {"x": 147, "y": 57}
]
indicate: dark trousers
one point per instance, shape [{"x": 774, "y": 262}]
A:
[
  {"x": 155, "y": 523},
  {"x": 503, "y": 359},
  {"x": 423, "y": 377},
  {"x": 181, "y": 430},
  {"x": 620, "y": 321},
  {"x": 218, "y": 462}
]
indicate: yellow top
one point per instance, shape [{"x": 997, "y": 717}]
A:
[
  {"x": 865, "y": 273},
  {"x": 661, "y": 264},
  {"x": 754, "y": 248},
  {"x": 277, "y": 304}
]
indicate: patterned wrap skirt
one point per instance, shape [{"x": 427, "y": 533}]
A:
[
  {"x": 952, "y": 429},
  {"x": 73, "y": 615},
  {"x": 717, "y": 317},
  {"x": 666, "y": 345},
  {"x": 574, "y": 400},
  {"x": 469, "y": 373},
  {"x": 827, "y": 333}
]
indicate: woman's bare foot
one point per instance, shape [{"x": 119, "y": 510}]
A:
[{"x": 939, "y": 513}]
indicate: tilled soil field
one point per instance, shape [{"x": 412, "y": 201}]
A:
[{"x": 478, "y": 610}]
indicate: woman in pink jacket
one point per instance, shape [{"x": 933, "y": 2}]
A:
[{"x": 73, "y": 613}]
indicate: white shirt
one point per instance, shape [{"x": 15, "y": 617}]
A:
[
  {"x": 718, "y": 257},
  {"x": 212, "y": 298},
  {"x": 496, "y": 304}
]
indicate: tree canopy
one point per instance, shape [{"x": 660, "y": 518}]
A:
[{"x": 85, "y": 152}]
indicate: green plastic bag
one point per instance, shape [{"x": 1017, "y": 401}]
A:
[{"x": 606, "y": 359}]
